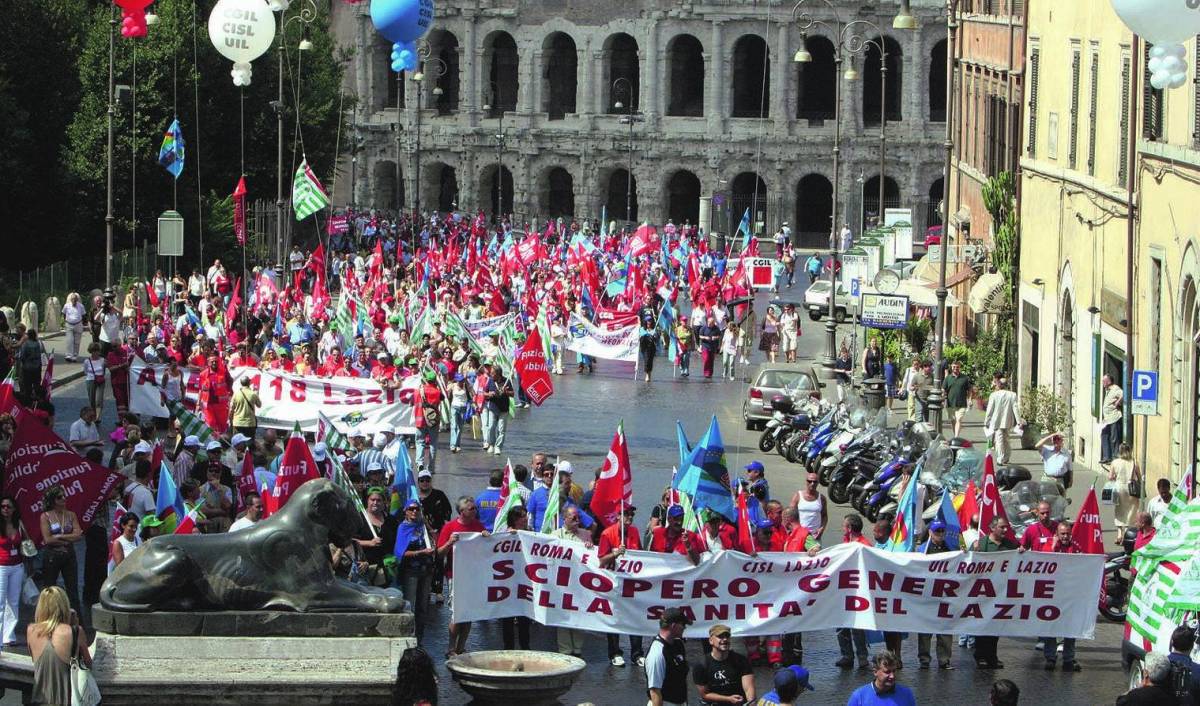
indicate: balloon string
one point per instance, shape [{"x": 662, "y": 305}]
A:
[
  {"x": 133, "y": 151},
  {"x": 196, "y": 107}
]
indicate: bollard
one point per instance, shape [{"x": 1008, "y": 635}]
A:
[{"x": 874, "y": 393}]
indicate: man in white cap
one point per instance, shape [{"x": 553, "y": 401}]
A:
[
  {"x": 182, "y": 468},
  {"x": 320, "y": 454},
  {"x": 372, "y": 454},
  {"x": 141, "y": 452}
]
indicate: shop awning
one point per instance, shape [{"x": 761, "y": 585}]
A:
[
  {"x": 919, "y": 293},
  {"x": 986, "y": 293}
]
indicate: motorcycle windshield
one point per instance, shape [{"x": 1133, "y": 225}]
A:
[
  {"x": 966, "y": 466},
  {"x": 1020, "y": 503},
  {"x": 935, "y": 462}
]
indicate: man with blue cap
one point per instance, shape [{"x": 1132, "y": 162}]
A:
[
  {"x": 790, "y": 683},
  {"x": 936, "y": 544}
]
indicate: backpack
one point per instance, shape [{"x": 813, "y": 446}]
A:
[{"x": 1180, "y": 683}]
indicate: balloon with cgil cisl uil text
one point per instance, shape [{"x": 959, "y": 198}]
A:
[
  {"x": 1165, "y": 24},
  {"x": 402, "y": 22},
  {"x": 242, "y": 31}
]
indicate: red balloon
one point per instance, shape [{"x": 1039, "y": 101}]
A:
[
  {"x": 133, "y": 22},
  {"x": 133, "y": 5}
]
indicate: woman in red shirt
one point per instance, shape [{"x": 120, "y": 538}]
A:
[
  {"x": 117, "y": 362},
  {"x": 215, "y": 393},
  {"x": 12, "y": 568}
]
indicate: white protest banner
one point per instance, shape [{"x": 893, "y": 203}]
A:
[
  {"x": 288, "y": 399},
  {"x": 482, "y": 328},
  {"x": 558, "y": 582},
  {"x": 607, "y": 344}
]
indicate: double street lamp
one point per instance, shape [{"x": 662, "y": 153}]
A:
[
  {"x": 623, "y": 86},
  {"x": 437, "y": 68},
  {"x": 500, "y": 137},
  {"x": 847, "y": 42}
]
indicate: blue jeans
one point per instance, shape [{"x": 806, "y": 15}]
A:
[
  {"x": 685, "y": 358},
  {"x": 494, "y": 426},
  {"x": 430, "y": 433},
  {"x": 1111, "y": 437},
  {"x": 456, "y": 422},
  {"x": 1050, "y": 649}
]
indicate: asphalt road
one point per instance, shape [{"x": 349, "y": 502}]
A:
[{"x": 577, "y": 423}]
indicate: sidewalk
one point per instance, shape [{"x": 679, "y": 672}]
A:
[{"x": 64, "y": 372}]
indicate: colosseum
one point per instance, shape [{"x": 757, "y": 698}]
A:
[{"x": 654, "y": 110}]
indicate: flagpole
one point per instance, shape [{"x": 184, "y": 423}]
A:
[{"x": 622, "y": 522}]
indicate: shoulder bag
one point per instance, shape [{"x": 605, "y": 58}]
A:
[
  {"x": 84, "y": 691},
  {"x": 28, "y": 549}
]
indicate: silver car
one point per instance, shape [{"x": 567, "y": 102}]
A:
[{"x": 771, "y": 380}]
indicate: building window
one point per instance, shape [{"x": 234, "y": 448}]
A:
[
  {"x": 1196, "y": 103},
  {"x": 1035, "y": 56},
  {"x": 997, "y": 136},
  {"x": 1155, "y": 313},
  {"x": 1093, "y": 92},
  {"x": 1073, "y": 126},
  {"x": 1152, "y": 102},
  {"x": 1123, "y": 130},
  {"x": 1030, "y": 325}
]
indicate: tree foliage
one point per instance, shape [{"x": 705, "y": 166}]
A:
[
  {"x": 999, "y": 198},
  {"x": 178, "y": 73}
]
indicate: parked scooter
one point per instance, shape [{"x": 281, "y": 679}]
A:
[{"x": 1114, "y": 596}]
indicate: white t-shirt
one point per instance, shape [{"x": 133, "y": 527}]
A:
[
  {"x": 141, "y": 500},
  {"x": 1056, "y": 464},
  {"x": 241, "y": 523},
  {"x": 73, "y": 313},
  {"x": 82, "y": 431},
  {"x": 93, "y": 369},
  {"x": 297, "y": 260}
]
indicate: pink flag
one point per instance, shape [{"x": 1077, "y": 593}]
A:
[
  {"x": 48, "y": 378},
  {"x": 239, "y": 211},
  {"x": 296, "y": 468}
]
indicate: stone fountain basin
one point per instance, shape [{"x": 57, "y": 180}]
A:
[{"x": 500, "y": 676}]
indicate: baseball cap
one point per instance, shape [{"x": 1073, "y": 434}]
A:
[
  {"x": 755, "y": 466},
  {"x": 764, "y": 523},
  {"x": 565, "y": 467},
  {"x": 630, "y": 508},
  {"x": 937, "y": 525},
  {"x": 239, "y": 439},
  {"x": 412, "y": 503},
  {"x": 718, "y": 629},
  {"x": 213, "y": 445},
  {"x": 793, "y": 675},
  {"x": 191, "y": 440},
  {"x": 151, "y": 521},
  {"x": 319, "y": 451},
  {"x": 143, "y": 448},
  {"x": 374, "y": 466},
  {"x": 424, "y": 473},
  {"x": 674, "y": 616},
  {"x": 675, "y": 511}
]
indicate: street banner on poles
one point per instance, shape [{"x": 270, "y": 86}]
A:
[
  {"x": 606, "y": 344},
  {"x": 560, "y": 583}
]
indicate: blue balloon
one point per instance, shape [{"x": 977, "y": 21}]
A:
[{"x": 402, "y": 20}]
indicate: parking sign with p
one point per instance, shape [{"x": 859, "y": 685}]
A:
[{"x": 1143, "y": 398}]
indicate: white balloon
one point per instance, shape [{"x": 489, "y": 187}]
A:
[
  {"x": 1160, "y": 79},
  {"x": 1159, "y": 21},
  {"x": 278, "y": 5},
  {"x": 1173, "y": 65},
  {"x": 1178, "y": 79},
  {"x": 1175, "y": 50},
  {"x": 241, "y": 30},
  {"x": 1158, "y": 51},
  {"x": 1154, "y": 64}
]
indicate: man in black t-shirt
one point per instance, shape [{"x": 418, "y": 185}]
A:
[{"x": 726, "y": 676}]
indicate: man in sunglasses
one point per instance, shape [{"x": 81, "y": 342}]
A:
[
  {"x": 1039, "y": 536},
  {"x": 725, "y": 677},
  {"x": 436, "y": 509}
]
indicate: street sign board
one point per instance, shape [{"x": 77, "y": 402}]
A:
[
  {"x": 1144, "y": 396},
  {"x": 884, "y": 311},
  {"x": 855, "y": 287}
]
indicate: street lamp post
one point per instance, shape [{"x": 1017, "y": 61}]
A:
[
  {"x": 306, "y": 15},
  {"x": 625, "y": 87},
  {"x": 108, "y": 215},
  {"x": 499, "y": 151},
  {"x": 847, "y": 43},
  {"x": 936, "y": 397},
  {"x": 438, "y": 67}
]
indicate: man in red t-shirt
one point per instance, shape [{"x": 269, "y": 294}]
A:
[
  {"x": 467, "y": 521},
  {"x": 1061, "y": 543},
  {"x": 1040, "y": 536},
  {"x": 674, "y": 538},
  {"x": 717, "y": 534},
  {"x": 611, "y": 548}
]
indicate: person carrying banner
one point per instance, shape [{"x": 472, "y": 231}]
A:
[
  {"x": 466, "y": 522},
  {"x": 936, "y": 545},
  {"x": 674, "y": 538},
  {"x": 570, "y": 640},
  {"x": 852, "y": 640},
  {"x": 1062, "y": 544},
  {"x": 612, "y": 547},
  {"x": 996, "y": 540},
  {"x": 666, "y": 662}
]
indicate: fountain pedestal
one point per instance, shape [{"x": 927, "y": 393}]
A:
[
  {"x": 261, "y": 657},
  {"x": 524, "y": 677}
]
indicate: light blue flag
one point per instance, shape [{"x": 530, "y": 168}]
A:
[
  {"x": 705, "y": 475},
  {"x": 744, "y": 229},
  {"x": 949, "y": 516},
  {"x": 685, "y": 449},
  {"x": 170, "y": 155},
  {"x": 404, "y": 486},
  {"x": 908, "y": 514}
]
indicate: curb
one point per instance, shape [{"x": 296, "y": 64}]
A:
[{"x": 55, "y": 384}]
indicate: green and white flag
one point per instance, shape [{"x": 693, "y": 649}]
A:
[
  {"x": 342, "y": 479},
  {"x": 1165, "y": 583},
  {"x": 542, "y": 324},
  {"x": 189, "y": 423},
  {"x": 550, "y": 516},
  {"x": 421, "y": 325},
  {"x": 328, "y": 433},
  {"x": 308, "y": 196},
  {"x": 511, "y": 500}
]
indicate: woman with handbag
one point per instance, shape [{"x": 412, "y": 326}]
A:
[
  {"x": 57, "y": 644},
  {"x": 1128, "y": 477},
  {"x": 60, "y": 531},
  {"x": 12, "y": 567}
]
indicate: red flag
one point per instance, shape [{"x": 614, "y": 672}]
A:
[
  {"x": 239, "y": 211},
  {"x": 151, "y": 295},
  {"x": 188, "y": 524},
  {"x": 8, "y": 395},
  {"x": 991, "y": 499},
  {"x": 296, "y": 468},
  {"x": 270, "y": 501},
  {"x": 1087, "y": 533},
  {"x": 614, "y": 487},
  {"x": 970, "y": 505},
  {"x": 531, "y": 368},
  {"x": 235, "y": 300},
  {"x": 745, "y": 528},
  {"x": 48, "y": 378},
  {"x": 316, "y": 262},
  {"x": 246, "y": 482},
  {"x": 38, "y": 459}
]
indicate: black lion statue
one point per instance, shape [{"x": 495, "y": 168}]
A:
[{"x": 281, "y": 563}]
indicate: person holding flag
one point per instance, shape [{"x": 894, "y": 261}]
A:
[
  {"x": 996, "y": 540},
  {"x": 414, "y": 551}
]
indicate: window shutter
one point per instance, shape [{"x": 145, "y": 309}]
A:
[
  {"x": 1073, "y": 135},
  {"x": 1123, "y": 138},
  {"x": 1034, "y": 62},
  {"x": 1094, "y": 90}
]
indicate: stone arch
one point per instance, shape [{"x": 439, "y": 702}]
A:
[
  {"x": 748, "y": 191},
  {"x": 683, "y": 197},
  {"x": 870, "y": 199},
  {"x": 893, "y": 91},
  {"x": 560, "y": 75},
  {"x": 816, "y": 86},
  {"x": 557, "y": 193},
  {"x": 1065, "y": 340},
  {"x": 685, "y": 76},
  {"x": 388, "y": 193},
  {"x": 619, "y": 181},
  {"x": 491, "y": 194},
  {"x": 814, "y": 210},
  {"x": 443, "y": 46},
  {"x": 937, "y": 82},
  {"x": 751, "y": 77},
  {"x": 503, "y": 65},
  {"x": 441, "y": 186},
  {"x": 933, "y": 216},
  {"x": 621, "y": 64}
]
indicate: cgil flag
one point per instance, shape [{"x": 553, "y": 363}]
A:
[
  {"x": 308, "y": 196},
  {"x": 189, "y": 423},
  {"x": 170, "y": 154},
  {"x": 614, "y": 488},
  {"x": 509, "y": 498},
  {"x": 1087, "y": 533},
  {"x": 553, "y": 507}
]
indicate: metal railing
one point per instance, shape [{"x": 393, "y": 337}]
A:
[{"x": 83, "y": 274}]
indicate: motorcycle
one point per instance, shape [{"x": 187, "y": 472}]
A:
[
  {"x": 1021, "y": 503},
  {"x": 784, "y": 423},
  {"x": 1114, "y": 593}
]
